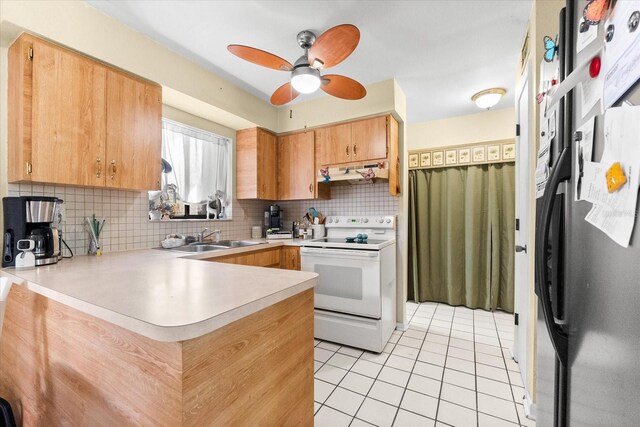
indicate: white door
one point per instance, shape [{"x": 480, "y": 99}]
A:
[{"x": 523, "y": 200}]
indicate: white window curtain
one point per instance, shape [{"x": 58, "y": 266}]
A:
[{"x": 199, "y": 162}]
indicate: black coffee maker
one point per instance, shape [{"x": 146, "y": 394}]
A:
[
  {"x": 273, "y": 218},
  {"x": 31, "y": 217}
]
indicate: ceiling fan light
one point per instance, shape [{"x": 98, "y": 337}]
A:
[
  {"x": 305, "y": 79},
  {"x": 488, "y": 98}
]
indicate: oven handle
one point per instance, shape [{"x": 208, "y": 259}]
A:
[{"x": 336, "y": 252}]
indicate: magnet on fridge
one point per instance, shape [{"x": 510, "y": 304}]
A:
[{"x": 615, "y": 177}]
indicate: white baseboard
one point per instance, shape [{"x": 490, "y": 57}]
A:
[
  {"x": 402, "y": 326},
  {"x": 529, "y": 407}
]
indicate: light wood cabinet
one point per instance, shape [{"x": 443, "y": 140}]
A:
[
  {"x": 355, "y": 142},
  {"x": 134, "y": 112},
  {"x": 290, "y": 258},
  {"x": 334, "y": 144},
  {"x": 68, "y": 113},
  {"x": 256, "y": 164},
  {"x": 296, "y": 166},
  {"x": 269, "y": 257}
]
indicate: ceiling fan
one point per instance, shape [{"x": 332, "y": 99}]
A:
[{"x": 332, "y": 47}]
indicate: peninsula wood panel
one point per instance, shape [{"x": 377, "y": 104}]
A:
[
  {"x": 296, "y": 164},
  {"x": 134, "y": 133},
  {"x": 257, "y": 371},
  {"x": 68, "y": 116},
  {"x": 59, "y": 366}
]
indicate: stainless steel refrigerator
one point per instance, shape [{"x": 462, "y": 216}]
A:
[{"x": 588, "y": 286}]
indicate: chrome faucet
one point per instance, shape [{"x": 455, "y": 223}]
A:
[{"x": 216, "y": 235}]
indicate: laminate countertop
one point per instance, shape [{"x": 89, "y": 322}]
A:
[{"x": 164, "y": 295}]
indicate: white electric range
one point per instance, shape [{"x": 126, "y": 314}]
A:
[{"x": 355, "y": 298}]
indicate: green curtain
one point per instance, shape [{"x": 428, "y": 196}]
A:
[{"x": 461, "y": 236}]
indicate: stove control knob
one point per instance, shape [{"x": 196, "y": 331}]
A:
[
  {"x": 388, "y": 220},
  {"x": 337, "y": 220},
  {"x": 329, "y": 220},
  {"x": 365, "y": 220},
  {"x": 380, "y": 220}
]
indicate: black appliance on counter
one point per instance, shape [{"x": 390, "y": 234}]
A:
[
  {"x": 33, "y": 218},
  {"x": 273, "y": 218}
]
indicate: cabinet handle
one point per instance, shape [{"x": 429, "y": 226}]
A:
[
  {"x": 347, "y": 151},
  {"x": 99, "y": 167},
  {"x": 113, "y": 169},
  {"x": 355, "y": 150},
  {"x": 310, "y": 188}
]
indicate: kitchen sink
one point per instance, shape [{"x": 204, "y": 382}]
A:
[
  {"x": 233, "y": 243},
  {"x": 200, "y": 247}
]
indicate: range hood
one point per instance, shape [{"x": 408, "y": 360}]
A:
[{"x": 364, "y": 172}]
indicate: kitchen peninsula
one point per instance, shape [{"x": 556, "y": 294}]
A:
[{"x": 152, "y": 337}]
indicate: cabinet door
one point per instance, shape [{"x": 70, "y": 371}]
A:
[
  {"x": 369, "y": 139},
  {"x": 267, "y": 166},
  {"x": 290, "y": 258},
  {"x": 334, "y": 143},
  {"x": 134, "y": 133},
  {"x": 68, "y": 117},
  {"x": 296, "y": 171}
]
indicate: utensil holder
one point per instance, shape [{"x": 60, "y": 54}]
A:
[{"x": 318, "y": 231}]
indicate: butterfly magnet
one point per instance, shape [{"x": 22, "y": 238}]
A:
[
  {"x": 550, "y": 48},
  {"x": 596, "y": 11}
]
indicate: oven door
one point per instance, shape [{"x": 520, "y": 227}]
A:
[{"x": 349, "y": 280}]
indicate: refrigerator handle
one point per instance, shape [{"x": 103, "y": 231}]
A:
[{"x": 561, "y": 172}]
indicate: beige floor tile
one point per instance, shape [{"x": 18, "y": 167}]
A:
[
  {"x": 497, "y": 407},
  {"x": 345, "y": 400},
  {"x": 456, "y": 415},
  {"x": 387, "y": 393},
  {"x": 327, "y": 417},
  {"x": 424, "y": 385},
  {"x": 377, "y": 413},
  {"x": 409, "y": 419},
  {"x": 419, "y": 403},
  {"x": 428, "y": 370},
  {"x": 460, "y": 379}
]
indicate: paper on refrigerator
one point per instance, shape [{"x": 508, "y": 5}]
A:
[
  {"x": 583, "y": 153},
  {"x": 615, "y": 213},
  {"x": 586, "y": 34},
  {"x": 621, "y": 59},
  {"x": 542, "y": 168}
]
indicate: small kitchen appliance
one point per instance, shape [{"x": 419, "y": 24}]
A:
[
  {"x": 32, "y": 218},
  {"x": 273, "y": 218},
  {"x": 355, "y": 298}
]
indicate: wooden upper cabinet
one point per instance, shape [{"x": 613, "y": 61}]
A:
[
  {"x": 296, "y": 166},
  {"x": 68, "y": 113},
  {"x": 355, "y": 142},
  {"x": 334, "y": 144},
  {"x": 369, "y": 139},
  {"x": 134, "y": 132},
  {"x": 67, "y": 116},
  {"x": 256, "y": 164}
]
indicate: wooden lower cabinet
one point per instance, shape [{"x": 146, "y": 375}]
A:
[
  {"x": 269, "y": 257},
  {"x": 284, "y": 257},
  {"x": 59, "y": 366},
  {"x": 290, "y": 259}
]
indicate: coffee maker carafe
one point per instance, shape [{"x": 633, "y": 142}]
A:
[{"x": 30, "y": 217}]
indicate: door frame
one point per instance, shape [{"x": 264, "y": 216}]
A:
[{"x": 523, "y": 189}]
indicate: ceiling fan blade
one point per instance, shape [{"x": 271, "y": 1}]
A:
[
  {"x": 284, "y": 94},
  {"x": 335, "y": 45},
  {"x": 260, "y": 57},
  {"x": 342, "y": 87}
]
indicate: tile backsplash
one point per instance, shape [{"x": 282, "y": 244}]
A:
[
  {"x": 360, "y": 198},
  {"x": 127, "y": 226},
  {"x": 127, "y": 212}
]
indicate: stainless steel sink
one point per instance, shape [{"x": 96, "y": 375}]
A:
[
  {"x": 232, "y": 243},
  {"x": 200, "y": 247}
]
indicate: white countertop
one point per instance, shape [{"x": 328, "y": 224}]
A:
[{"x": 164, "y": 295}]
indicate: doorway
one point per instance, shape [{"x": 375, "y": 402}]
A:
[{"x": 523, "y": 268}]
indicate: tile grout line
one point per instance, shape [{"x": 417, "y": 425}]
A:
[
  {"x": 446, "y": 356},
  {"x": 414, "y": 362}
]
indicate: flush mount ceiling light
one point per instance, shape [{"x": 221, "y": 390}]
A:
[{"x": 488, "y": 98}]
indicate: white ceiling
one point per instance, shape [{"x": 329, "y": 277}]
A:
[{"x": 440, "y": 52}]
